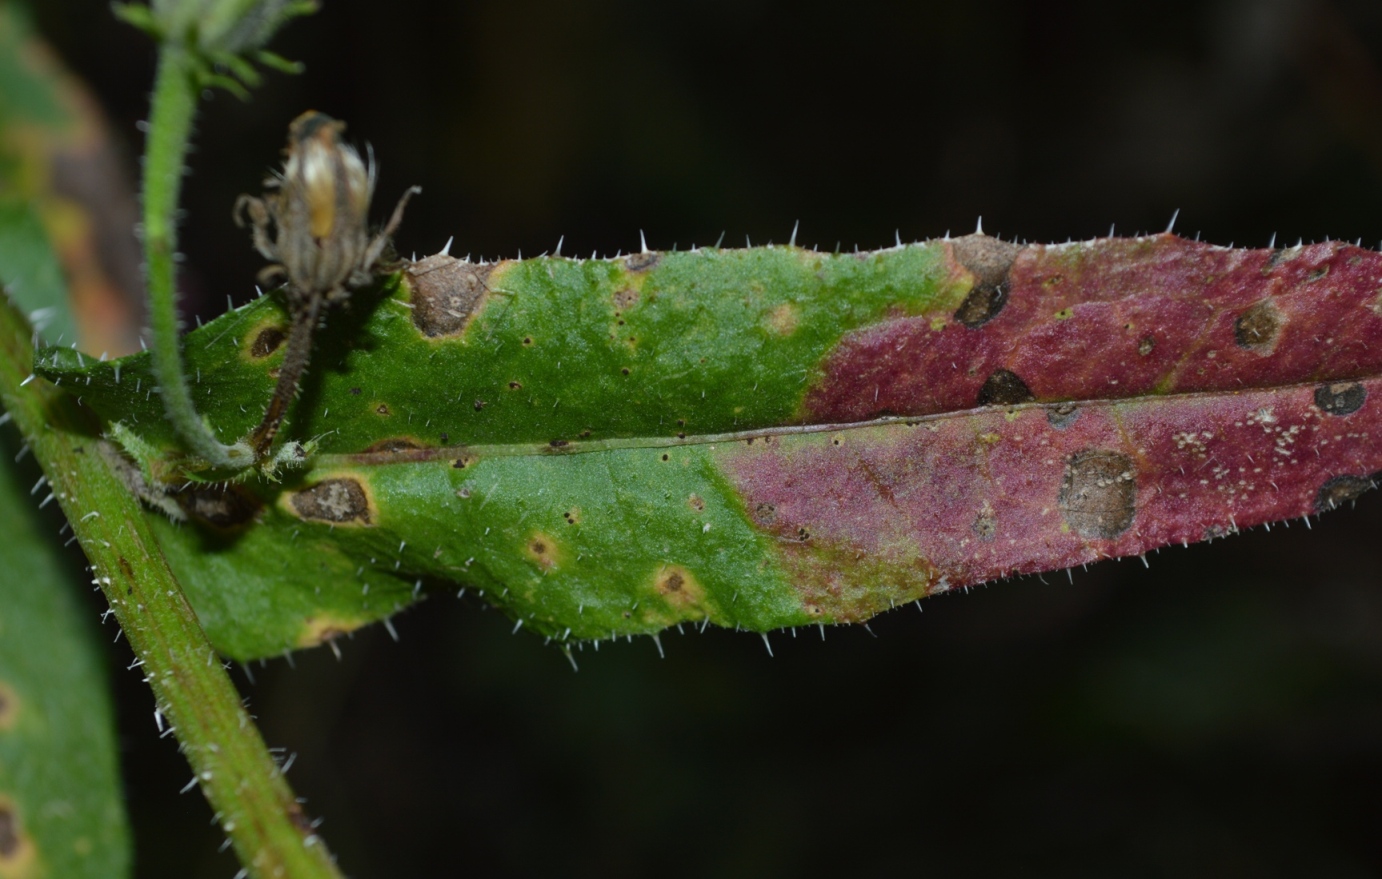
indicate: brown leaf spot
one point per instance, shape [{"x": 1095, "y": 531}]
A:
[
  {"x": 515, "y": 386},
  {"x": 678, "y": 587},
  {"x": 985, "y": 524},
  {"x": 9, "y": 707},
  {"x": 1341, "y": 489},
  {"x": 1062, "y": 415},
  {"x": 572, "y": 516},
  {"x": 382, "y": 409},
  {"x": 332, "y": 500},
  {"x": 625, "y": 299},
  {"x": 1257, "y": 328},
  {"x": 1145, "y": 346},
  {"x": 1341, "y": 399},
  {"x": 320, "y": 629},
  {"x": 1098, "y": 496},
  {"x": 222, "y": 506},
  {"x": 641, "y": 262},
  {"x": 543, "y": 550},
  {"x": 445, "y": 293},
  {"x": 782, "y": 321},
  {"x": 267, "y": 341},
  {"x": 989, "y": 261},
  {"x": 1004, "y": 388},
  {"x": 17, "y": 852},
  {"x": 395, "y": 444},
  {"x": 765, "y": 514},
  {"x": 695, "y": 502}
]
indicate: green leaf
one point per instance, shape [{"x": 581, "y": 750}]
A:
[
  {"x": 30, "y": 270},
  {"x": 769, "y": 437},
  {"x": 61, "y": 809}
]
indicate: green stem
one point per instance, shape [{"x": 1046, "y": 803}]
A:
[
  {"x": 170, "y": 128},
  {"x": 252, "y": 800}
]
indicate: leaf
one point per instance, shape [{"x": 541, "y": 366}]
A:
[
  {"x": 771, "y": 437},
  {"x": 61, "y": 808},
  {"x": 59, "y": 168}
]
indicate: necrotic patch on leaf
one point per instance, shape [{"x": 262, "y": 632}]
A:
[
  {"x": 222, "y": 506},
  {"x": 1341, "y": 489},
  {"x": 267, "y": 341},
  {"x": 1258, "y": 328},
  {"x": 324, "y": 627},
  {"x": 679, "y": 588},
  {"x": 446, "y": 292},
  {"x": 339, "y": 501},
  {"x": 989, "y": 260},
  {"x": 543, "y": 550},
  {"x": 1004, "y": 388},
  {"x": 1098, "y": 496},
  {"x": 9, "y": 707},
  {"x": 18, "y": 856},
  {"x": 1341, "y": 399}
]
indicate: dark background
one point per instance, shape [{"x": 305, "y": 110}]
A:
[{"x": 1219, "y": 713}]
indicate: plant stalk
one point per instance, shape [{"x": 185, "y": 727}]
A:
[
  {"x": 245, "y": 787},
  {"x": 170, "y": 128}
]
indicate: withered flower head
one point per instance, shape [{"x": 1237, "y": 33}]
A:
[{"x": 313, "y": 225}]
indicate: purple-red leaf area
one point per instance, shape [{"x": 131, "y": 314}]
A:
[
  {"x": 1114, "y": 318},
  {"x": 976, "y": 496}
]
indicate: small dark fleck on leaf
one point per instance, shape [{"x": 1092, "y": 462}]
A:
[
  {"x": 1341, "y": 399},
  {"x": 559, "y": 443},
  {"x": 985, "y": 525},
  {"x": 515, "y": 386},
  {"x": 666, "y": 457},
  {"x": 1004, "y": 388},
  {"x": 479, "y": 404},
  {"x": 355, "y": 392},
  {"x": 625, "y": 370},
  {"x": 458, "y": 464},
  {"x": 382, "y": 409}
]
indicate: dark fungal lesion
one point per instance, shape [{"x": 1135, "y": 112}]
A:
[
  {"x": 1258, "y": 327},
  {"x": 446, "y": 293},
  {"x": 267, "y": 341},
  {"x": 332, "y": 500},
  {"x": 1341, "y": 489},
  {"x": 1342, "y": 398},
  {"x": 642, "y": 262},
  {"x": 990, "y": 261},
  {"x": 1004, "y": 388},
  {"x": 220, "y": 506},
  {"x": 1062, "y": 415}
]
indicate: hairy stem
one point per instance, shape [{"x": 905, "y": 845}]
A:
[
  {"x": 295, "y": 358},
  {"x": 252, "y": 801},
  {"x": 170, "y": 127}
]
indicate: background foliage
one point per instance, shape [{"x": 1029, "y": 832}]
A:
[{"x": 1217, "y": 712}]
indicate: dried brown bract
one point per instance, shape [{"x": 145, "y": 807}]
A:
[{"x": 313, "y": 225}]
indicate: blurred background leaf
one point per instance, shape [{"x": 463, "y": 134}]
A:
[{"x": 1218, "y": 712}]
